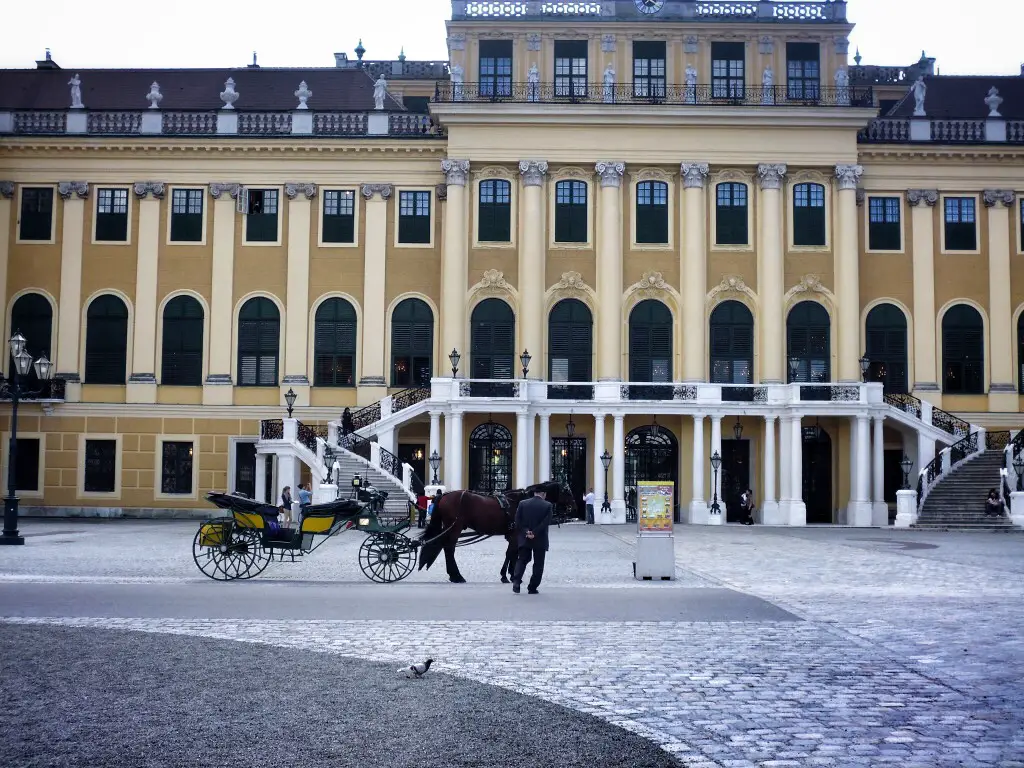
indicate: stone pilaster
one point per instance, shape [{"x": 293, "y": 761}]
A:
[
  {"x": 609, "y": 271},
  {"x": 217, "y": 390},
  {"x": 372, "y": 381},
  {"x": 925, "y": 386},
  {"x": 531, "y": 263},
  {"x": 300, "y": 210},
  {"x": 847, "y": 273},
  {"x": 693, "y": 268},
  {"x": 6, "y": 196},
  {"x": 1002, "y": 392},
  {"x": 455, "y": 260},
  {"x": 142, "y": 381},
  {"x": 771, "y": 273},
  {"x": 74, "y": 195}
]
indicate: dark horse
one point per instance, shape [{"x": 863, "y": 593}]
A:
[{"x": 458, "y": 511}]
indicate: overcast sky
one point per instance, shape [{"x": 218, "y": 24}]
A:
[{"x": 966, "y": 36}]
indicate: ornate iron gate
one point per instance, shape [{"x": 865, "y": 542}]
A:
[
  {"x": 569, "y": 464},
  {"x": 490, "y": 458},
  {"x": 652, "y": 453}
]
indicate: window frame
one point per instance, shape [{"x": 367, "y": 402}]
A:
[
  {"x": 113, "y": 188},
  {"x": 791, "y": 212},
  {"x": 804, "y": 95},
  {"x": 944, "y": 248},
  {"x": 734, "y": 84},
  {"x": 158, "y": 486},
  {"x": 18, "y": 240},
  {"x": 429, "y": 191},
  {"x": 238, "y": 345},
  {"x": 984, "y": 376},
  {"x": 553, "y": 211},
  {"x": 575, "y": 82},
  {"x": 161, "y": 330},
  {"x": 649, "y": 87},
  {"x": 83, "y": 440},
  {"x": 747, "y": 243},
  {"x": 654, "y": 182},
  {"x": 497, "y": 84},
  {"x": 322, "y": 218},
  {"x": 40, "y": 437},
  {"x": 867, "y": 223},
  {"x": 356, "y": 319},
  {"x": 279, "y": 215},
  {"x": 170, "y": 216},
  {"x": 129, "y": 340},
  {"x": 479, "y": 200}
]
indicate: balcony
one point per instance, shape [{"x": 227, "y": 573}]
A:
[{"x": 904, "y": 130}]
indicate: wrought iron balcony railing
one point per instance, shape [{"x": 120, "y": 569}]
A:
[{"x": 50, "y": 390}]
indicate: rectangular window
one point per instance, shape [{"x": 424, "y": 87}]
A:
[
  {"x": 26, "y": 470},
  {"x": 571, "y": 212},
  {"x": 176, "y": 468},
  {"x": 414, "y": 217},
  {"x": 809, "y": 214},
  {"x": 884, "y": 224},
  {"x": 496, "y": 68},
  {"x": 727, "y": 70},
  {"x": 339, "y": 225},
  {"x": 100, "y": 466},
  {"x": 960, "y": 224},
  {"x": 652, "y": 212},
  {"x": 649, "y": 70},
  {"x": 803, "y": 71},
  {"x": 495, "y": 211},
  {"x": 571, "y": 68},
  {"x": 36, "y": 221},
  {"x": 261, "y": 216},
  {"x": 731, "y": 214},
  {"x": 186, "y": 216},
  {"x": 112, "y": 215}
]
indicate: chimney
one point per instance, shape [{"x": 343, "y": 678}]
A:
[
  {"x": 341, "y": 60},
  {"x": 255, "y": 64},
  {"x": 47, "y": 63}
]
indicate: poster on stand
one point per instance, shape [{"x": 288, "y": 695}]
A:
[{"x": 654, "y": 506}]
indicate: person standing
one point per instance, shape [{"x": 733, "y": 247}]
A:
[
  {"x": 305, "y": 500},
  {"x": 286, "y": 505},
  {"x": 747, "y": 506},
  {"x": 533, "y": 518},
  {"x": 588, "y": 501}
]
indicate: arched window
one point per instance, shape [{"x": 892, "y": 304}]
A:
[
  {"x": 808, "y": 333},
  {"x": 886, "y": 333},
  {"x": 1020, "y": 352},
  {"x": 493, "y": 340},
  {"x": 650, "y": 342},
  {"x": 570, "y": 346},
  {"x": 963, "y": 351},
  {"x": 412, "y": 344},
  {"x": 32, "y": 317},
  {"x": 334, "y": 344},
  {"x": 259, "y": 336},
  {"x": 106, "y": 341},
  {"x": 490, "y": 458},
  {"x": 732, "y": 344},
  {"x": 182, "y": 350},
  {"x": 652, "y": 212},
  {"x": 808, "y": 214}
]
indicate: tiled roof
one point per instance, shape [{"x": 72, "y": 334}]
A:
[
  {"x": 963, "y": 97},
  {"x": 334, "y": 89}
]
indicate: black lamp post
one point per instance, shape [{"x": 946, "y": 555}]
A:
[
  {"x": 606, "y": 459},
  {"x": 864, "y": 365},
  {"x": 570, "y": 427},
  {"x": 906, "y": 465},
  {"x": 716, "y": 462},
  {"x": 1018, "y": 464},
  {"x": 737, "y": 429},
  {"x": 289, "y": 397},
  {"x": 454, "y": 358},
  {"x": 655, "y": 428},
  {"x": 22, "y": 365},
  {"x": 525, "y": 359},
  {"x": 794, "y": 368},
  {"x": 435, "y": 464}
]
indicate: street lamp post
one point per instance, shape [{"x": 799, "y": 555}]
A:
[
  {"x": 794, "y": 368},
  {"x": 435, "y": 464},
  {"x": 1018, "y": 464},
  {"x": 865, "y": 363},
  {"x": 290, "y": 397},
  {"x": 525, "y": 359},
  {"x": 22, "y": 365},
  {"x": 716, "y": 462},
  {"x": 906, "y": 465},
  {"x": 737, "y": 429},
  {"x": 606, "y": 459},
  {"x": 453, "y": 358}
]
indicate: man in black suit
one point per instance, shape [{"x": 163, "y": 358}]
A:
[{"x": 533, "y": 517}]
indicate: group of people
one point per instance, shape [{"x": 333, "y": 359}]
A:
[{"x": 285, "y": 507}]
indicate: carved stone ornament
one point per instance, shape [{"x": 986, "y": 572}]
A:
[
  {"x": 571, "y": 280},
  {"x": 494, "y": 278},
  {"x": 928, "y": 196},
  {"x": 809, "y": 284},
  {"x": 219, "y": 188},
  {"x": 384, "y": 190},
  {"x": 694, "y": 174},
  {"x": 766, "y": 45},
  {"x": 7, "y": 189},
  {"x": 67, "y": 188},
  {"x": 842, "y": 45},
  {"x": 229, "y": 95},
  {"x": 154, "y": 97},
  {"x": 733, "y": 283},
  {"x": 294, "y": 188},
  {"x": 533, "y": 172},
  {"x": 690, "y": 44},
  {"x": 849, "y": 176},
  {"x": 303, "y": 95},
  {"x": 770, "y": 175},
  {"x": 608, "y": 43},
  {"x": 860, "y": 198},
  {"x": 533, "y": 42},
  {"x": 993, "y": 196},
  {"x": 144, "y": 189},
  {"x": 441, "y": 190},
  {"x": 457, "y": 41},
  {"x": 455, "y": 172},
  {"x": 651, "y": 284},
  {"x": 610, "y": 173},
  {"x": 992, "y": 101}
]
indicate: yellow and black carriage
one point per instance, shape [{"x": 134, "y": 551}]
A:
[{"x": 241, "y": 545}]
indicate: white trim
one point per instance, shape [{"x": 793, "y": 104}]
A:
[
  {"x": 985, "y": 347},
  {"x": 729, "y": 176},
  {"x": 671, "y": 182},
  {"x": 808, "y": 177},
  {"x": 496, "y": 173},
  {"x": 398, "y": 216},
  {"x": 95, "y": 213},
  {"x": 170, "y": 214},
  {"x": 233, "y": 442},
  {"x": 41, "y": 480},
  {"x": 977, "y": 225},
  {"x": 53, "y": 216},
  {"x": 159, "y": 363},
  {"x": 158, "y": 493},
  {"x": 355, "y": 217},
  {"x": 573, "y": 173},
  {"x": 357, "y": 364},
  {"x": 281, "y": 205},
  {"x": 118, "y": 455},
  {"x": 867, "y": 221},
  {"x": 84, "y": 335}
]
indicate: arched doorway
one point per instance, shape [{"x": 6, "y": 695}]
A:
[
  {"x": 569, "y": 464},
  {"x": 808, "y": 337},
  {"x": 650, "y": 349},
  {"x": 490, "y": 458},
  {"x": 731, "y": 330},
  {"x": 886, "y": 347},
  {"x": 412, "y": 344},
  {"x": 492, "y": 347},
  {"x": 817, "y": 474},
  {"x": 570, "y": 348},
  {"x": 652, "y": 453},
  {"x": 963, "y": 351}
]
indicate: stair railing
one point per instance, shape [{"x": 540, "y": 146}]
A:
[
  {"x": 390, "y": 464},
  {"x": 308, "y": 434},
  {"x": 947, "y": 422},
  {"x": 272, "y": 429},
  {"x": 373, "y": 413},
  {"x": 356, "y": 444},
  {"x": 904, "y": 402},
  {"x": 945, "y": 462},
  {"x": 928, "y": 477}
]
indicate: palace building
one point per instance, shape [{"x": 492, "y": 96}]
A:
[{"x": 653, "y": 232}]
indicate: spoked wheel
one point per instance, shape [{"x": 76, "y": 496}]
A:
[
  {"x": 226, "y": 552},
  {"x": 387, "y": 557}
]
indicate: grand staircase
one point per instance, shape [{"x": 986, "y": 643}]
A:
[
  {"x": 397, "y": 503},
  {"x": 958, "y": 500}
]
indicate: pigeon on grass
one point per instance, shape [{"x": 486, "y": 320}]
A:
[{"x": 414, "y": 671}]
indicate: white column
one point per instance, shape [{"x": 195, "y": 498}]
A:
[
  {"x": 74, "y": 194},
  {"x": 847, "y": 272},
  {"x": 785, "y": 472},
  {"x": 1002, "y": 388},
  {"x": 531, "y": 446},
  {"x": 453, "y": 475},
  {"x": 850, "y": 513},
  {"x": 923, "y": 228},
  {"x": 287, "y": 466},
  {"x": 694, "y": 268},
  {"x": 716, "y": 478},
  {"x": 531, "y": 263},
  {"x": 522, "y": 450},
  {"x": 142, "y": 381},
  {"x": 300, "y": 211},
  {"x": 771, "y": 273},
  {"x": 544, "y": 448},
  {"x": 262, "y": 465},
  {"x": 797, "y": 507},
  {"x": 598, "y": 466},
  {"x": 618, "y": 492},
  {"x": 769, "y": 504},
  {"x": 609, "y": 271},
  {"x": 217, "y": 389},
  {"x": 435, "y": 443},
  {"x": 879, "y": 509},
  {"x": 859, "y": 513},
  {"x": 698, "y": 502},
  {"x": 454, "y": 260}
]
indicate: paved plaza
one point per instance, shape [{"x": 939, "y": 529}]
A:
[{"x": 773, "y": 647}]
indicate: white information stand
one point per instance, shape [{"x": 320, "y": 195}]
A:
[{"x": 655, "y": 541}]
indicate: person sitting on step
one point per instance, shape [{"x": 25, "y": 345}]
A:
[{"x": 994, "y": 505}]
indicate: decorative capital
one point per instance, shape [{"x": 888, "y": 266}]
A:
[
  {"x": 860, "y": 197},
  {"x": 457, "y": 41},
  {"x": 770, "y": 175},
  {"x": 993, "y": 196},
  {"x": 929, "y": 196},
  {"x": 849, "y": 176},
  {"x": 610, "y": 173},
  {"x": 294, "y": 188},
  {"x": 608, "y": 43},
  {"x": 384, "y": 190},
  {"x": 144, "y": 189},
  {"x": 441, "y": 190},
  {"x": 228, "y": 188},
  {"x": 7, "y": 189},
  {"x": 533, "y": 41},
  {"x": 694, "y": 174},
  {"x": 67, "y": 188},
  {"x": 455, "y": 172},
  {"x": 533, "y": 172}
]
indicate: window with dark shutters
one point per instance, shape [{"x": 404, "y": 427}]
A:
[
  {"x": 808, "y": 332},
  {"x": 414, "y": 217},
  {"x": 960, "y": 224},
  {"x": 963, "y": 351},
  {"x": 100, "y": 466},
  {"x": 176, "y": 468},
  {"x": 570, "y": 342},
  {"x": 334, "y": 345},
  {"x": 26, "y": 469},
  {"x": 571, "y": 212},
  {"x": 261, "y": 220},
  {"x": 649, "y": 69},
  {"x": 106, "y": 341},
  {"x": 496, "y": 68},
  {"x": 732, "y": 344},
  {"x": 884, "y": 224},
  {"x": 32, "y": 317},
  {"x": 259, "y": 336},
  {"x": 339, "y": 223},
  {"x": 571, "y": 68},
  {"x": 731, "y": 214},
  {"x": 808, "y": 214},
  {"x": 495, "y": 211},
  {"x": 492, "y": 342},
  {"x": 727, "y": 70},
  {"x": 650, "y": 342},
  {"x": 36, "y": 222},
  {"x": 186, "y": 215},
  {"x": 652, "y": 212},
  {"x": 181, "y": 361},
  {"x": 803, "y": 71},
  {"x": 412, "y": 344},
  {"x": 886, "y": 347},
  {"x": 112, "y": 215}
]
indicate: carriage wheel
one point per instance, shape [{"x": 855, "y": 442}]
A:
[
  {"x": 227, "y": 552},
  {"x": 387, "y": 557}
]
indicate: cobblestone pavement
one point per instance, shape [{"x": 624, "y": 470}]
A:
[{"x": 911, "y": 651}]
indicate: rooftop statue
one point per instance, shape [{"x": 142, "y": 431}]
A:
[
  {"x": 919, "y": 89},
  {"x": 76, "y": 92},
  {"x": 380, "y": 92}
]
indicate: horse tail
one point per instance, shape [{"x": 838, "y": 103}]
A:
[{"x": 431, "y": 539}]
